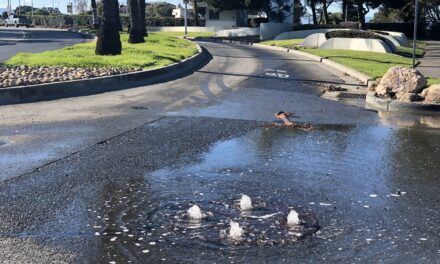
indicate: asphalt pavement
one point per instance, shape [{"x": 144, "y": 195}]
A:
[
  {"x": 429, "y": 64},
  {"x": 104, "y": 178},
  {"x": 13, "y": 40}
]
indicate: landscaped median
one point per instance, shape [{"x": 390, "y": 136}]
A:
[
  {"x": 80, "y": 62},
  {"x": 77, "y": 71}
]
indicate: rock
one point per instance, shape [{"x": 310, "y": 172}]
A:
[
  {"x": 400, "y": 79},
  {"x": 432, "y": 94},
  {"x": 409, "y": 97}
]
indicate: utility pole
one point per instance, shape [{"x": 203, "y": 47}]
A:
[{"x": 415, "y": 32}]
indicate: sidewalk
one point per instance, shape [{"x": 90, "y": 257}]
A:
[{"x": 430, "y": 63}]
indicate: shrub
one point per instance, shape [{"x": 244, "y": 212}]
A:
[
  {"x": 434, "y": 32},
  {"x": 256, "y": 21},
  {"x": 353, "y": 34},
  {"x": 406, "y": 28},
  {"x": 350, "y": 24},
  {"x": 311, "y": 27},
  {"x": 381, "y": 32}
]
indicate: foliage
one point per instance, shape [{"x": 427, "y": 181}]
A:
[
  {"x": 159, "y": 10},
  {"x": 45, "y": 11},
  {"x": 239, "y": 4},
  {"x": 353, "y": 34},
  {"x": 160, "y": 49},
  {"x": 311, "y": 26}
]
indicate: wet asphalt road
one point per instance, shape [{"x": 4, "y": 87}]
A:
[
  {"x": 120, "y": 167},
  {"x": 13, "y": 41}
]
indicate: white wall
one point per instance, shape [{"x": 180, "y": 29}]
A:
[{"x": 227, "y": 19}]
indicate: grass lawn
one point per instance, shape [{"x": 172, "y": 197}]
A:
[
  {"x": 408, "y": 51},
  {"x": 432, "y": 81},
  {"x": 372, "y": 64},
  {"x": 289, "y": 43},
  {"x": 160, "y": 49}
]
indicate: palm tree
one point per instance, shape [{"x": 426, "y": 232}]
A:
[
  {"x": 135, "y": 33},
  {"x": 196, "y": 17},
  {"x": 142, "y": 18},
  {"x": 94, "y": 14},
  {"x": 109, "y": 41}
]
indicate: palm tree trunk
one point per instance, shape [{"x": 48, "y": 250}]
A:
[
  {"x": 95, "y": 21},
  {"x": 135, "y": 34},
  {"x": 325, "y": 11},
  {"x": 361, "y": 14},
  {"x": 109, "y": 42},
  {"x": 196, "y": 17},
  {"x": 142, "y": 18},
  {"x": 313, "y": 7},
  {"x": 344, "y": 10}
]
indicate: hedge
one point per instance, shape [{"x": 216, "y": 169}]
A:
[
  {"x": 311, "y": 26},
  {"x": 353, "y": 34},
  {"x": 406, "y": 28},
  {"x": 85, "y": 21}
]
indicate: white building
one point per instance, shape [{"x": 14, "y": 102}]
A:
[
  {"x": 227, "y": 18},
  {"x": 179, "y": 12}
]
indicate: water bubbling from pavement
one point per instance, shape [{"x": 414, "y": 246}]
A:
[
  {"x": 235, "y": 231},
  {"x": 293, "y": 218},
  {"x": 195, "y": 213},
  {"x": 245, "y": 203}
]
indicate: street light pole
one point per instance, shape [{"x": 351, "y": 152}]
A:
[{"x": 415, "y": 32}]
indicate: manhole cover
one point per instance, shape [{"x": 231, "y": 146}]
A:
[{"x": 356, "y": 96}]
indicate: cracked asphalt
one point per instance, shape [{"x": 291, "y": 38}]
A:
[{"x": 102, "y": 178}]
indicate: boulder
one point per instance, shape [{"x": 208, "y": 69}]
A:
[
  {"x": 409, "y": 97},
  {"x": 432, "y": 94},
  {"x": 400, "y": 79}
]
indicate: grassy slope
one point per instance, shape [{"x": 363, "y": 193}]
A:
[
  {"x": 432, "y": 81},
  {"x": 159, "y": 50},
  {"x": 371, "y": 63},
  {"x": 289, "y": 43}
]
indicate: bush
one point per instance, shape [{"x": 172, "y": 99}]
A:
[
  {"x": 85, "y": 21},
  {"x": 406, "y": 28},
  {"x": 353, "y": 34},
  {"x": 256, "y": 21},
  {"x": 311, "y": 27},
  {"x": 434, "y": 32},
  {"x": 381, "y": 32},
  {"x": 350, "y": 24}
]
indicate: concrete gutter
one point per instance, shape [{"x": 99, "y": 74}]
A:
[
  {"x": 58, "y": 90},
  {"x": 389, "y": 105}
]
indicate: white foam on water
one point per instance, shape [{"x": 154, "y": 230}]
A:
[
  {"x": 195, "y": 213},
  {"x": 245, "y": 203},
  {"x": 293, "y": 218},
  {"x": 235, "y": 231}
]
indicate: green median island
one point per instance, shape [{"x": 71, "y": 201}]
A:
[{"x": 160, "y": 49}]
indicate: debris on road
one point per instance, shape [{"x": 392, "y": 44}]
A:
[{"x": 286, "y": 123}]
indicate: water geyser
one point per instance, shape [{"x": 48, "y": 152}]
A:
[
  {"x": 293, "y": 218},
  {"x": 195, "y": 213},
  {"x": 245, "y": 203},
  {"x": 235, "y": 231}
]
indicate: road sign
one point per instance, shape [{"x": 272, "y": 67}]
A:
[{"x": 186, "y": 2}]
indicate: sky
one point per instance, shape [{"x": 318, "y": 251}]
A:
[{"x": 63, "y": 3}]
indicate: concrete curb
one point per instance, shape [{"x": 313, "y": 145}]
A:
[
  {"x": 389, "y": 105},
  {"x": 52, "y": 91},
  {"x": 367, "y": 80}
]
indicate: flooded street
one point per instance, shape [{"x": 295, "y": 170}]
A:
[
  {"x": 110, "y": 178},
  {"x": 372, "y": 189}
]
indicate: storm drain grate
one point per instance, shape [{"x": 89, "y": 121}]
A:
[{"x": 352, "y": 96}]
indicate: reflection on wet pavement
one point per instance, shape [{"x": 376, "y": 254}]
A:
[{"x": 360, "y": 182}]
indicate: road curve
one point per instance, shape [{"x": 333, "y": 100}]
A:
[{"x": 13, "y": 41}]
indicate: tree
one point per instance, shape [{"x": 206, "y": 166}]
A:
[
  {"x": 312, "y": 5},
  {"x": 363, "y": 7},
  {"x": 94, "y": 14},
  {"x": 196, "y": 16},
  {"x": 142, "y": 22},
  {"x": 299, "y": 11},
  {"x": 109, "y": 41},
  {"x": 136, "y": 34}
]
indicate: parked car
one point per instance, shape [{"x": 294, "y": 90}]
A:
[{"x": 17, "y": 21}]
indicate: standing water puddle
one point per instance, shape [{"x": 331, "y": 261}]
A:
[{"x": 339, "y": 179}]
